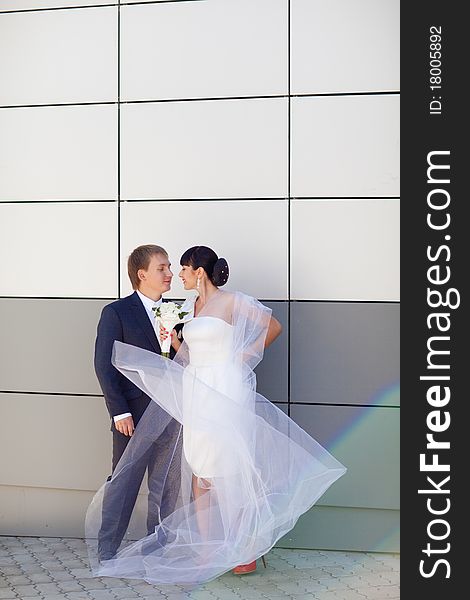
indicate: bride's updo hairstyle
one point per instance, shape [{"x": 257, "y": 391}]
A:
[{"x": 202, "y": 256}]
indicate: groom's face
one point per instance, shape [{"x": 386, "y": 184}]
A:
[{"x": 156, "y": 280}]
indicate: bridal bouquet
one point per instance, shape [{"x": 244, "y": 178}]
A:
[{"x": 169, "y": 314}]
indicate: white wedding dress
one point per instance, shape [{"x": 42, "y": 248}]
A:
[
  {"x": 258, "y": 470},
  {"x": 210, "y": 342}
]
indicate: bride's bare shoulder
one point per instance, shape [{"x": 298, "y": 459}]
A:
[
  {"x": 227, "y": 296},
  {"x": 227, "y": 303}
]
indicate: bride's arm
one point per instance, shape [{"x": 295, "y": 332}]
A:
[
  {"x": 274, "y": 331},
  {"x": 248, "y": 309},
  {"x": 175, "y": 342}
]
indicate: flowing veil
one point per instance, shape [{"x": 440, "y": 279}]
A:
[{"x": 266, "y": 470}]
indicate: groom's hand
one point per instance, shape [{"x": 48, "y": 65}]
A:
[{"x": 125, "y": 426}]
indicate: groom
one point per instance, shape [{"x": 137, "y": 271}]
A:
[{"x": 131, "y": 320}]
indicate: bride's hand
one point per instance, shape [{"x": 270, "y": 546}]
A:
[
  {"x": 163, "y": 333},
  {"x": 174, "y": 337}
]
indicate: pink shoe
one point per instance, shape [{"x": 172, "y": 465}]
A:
[
  {"x": 242, "y": 569},
  {"x": 249, "y": 568}
]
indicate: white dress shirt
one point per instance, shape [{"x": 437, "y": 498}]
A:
[{"x": 148, "y": 305}]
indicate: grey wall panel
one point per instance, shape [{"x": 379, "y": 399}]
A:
[
  {"x": 61, "y": 442},
  {"x": 58, "y": 353},
  {"x": 271, "y": 373},
  {"x": 342, "y": 528},
  {"x": 44, "y": 512},
  {"x": 48, "y": 345},
  {"x": 56, "y": 512},
  {"x": 345, "y": 353},
  {"x": 366, "y": 441}
]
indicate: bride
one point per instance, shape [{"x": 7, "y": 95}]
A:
[{"x": 247, "y": 470}]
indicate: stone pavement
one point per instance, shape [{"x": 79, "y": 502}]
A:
[{"x": 57, "y": 569}]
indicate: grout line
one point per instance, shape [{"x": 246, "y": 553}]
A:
[
  {"x": 279, "y": 402},
  {"x": 50, "y": 8},
  {"x": 345, "y": 301},
  {"x": 327, "y": 198},
  {"x": 272, "y": 300},
  {"x": 55, "y": 201},
  {"x": 30, "y": 393},
  {"x": 137, "y": 200},
  {"x": 231, "y": 199},
  {"x": 97, "y": 5},
  {"x": 350, "y": 93},
  {"x": 345, "y": 404},
  {"x": 118, "y": 249},
  {"x": 201, "y": 99},
  {"x": 289, "y": 205},
  {"x": 109, "y": 298},
  {"x": 55, "y": 104}
]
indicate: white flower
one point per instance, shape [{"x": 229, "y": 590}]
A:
[{"x": 170, "y": 309}]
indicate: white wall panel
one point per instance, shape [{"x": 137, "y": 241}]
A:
[
  {"x": 204, "y": 149},
  {"x": 45, "y": 59},
  {"x": 251, "y": 235},
  {"x": 51, "y": 249},
  {"x": 9, "y": 5},
  {"x": 345, "y": 146},
  {"x": 345, "y": 46},
  {"x": 68, "y": 441},
  {"x": 181, "y": 49},
  {"x": 345, "y": 249},
  {"x": 58, "y": 153}
]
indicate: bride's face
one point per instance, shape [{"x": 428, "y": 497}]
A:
[{"x": 189, "y": 277}]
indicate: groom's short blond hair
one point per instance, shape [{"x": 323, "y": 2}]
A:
[{"x": 140, "y": 259}]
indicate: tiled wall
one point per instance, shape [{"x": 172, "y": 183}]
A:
[{"x": 267, "y": 129}]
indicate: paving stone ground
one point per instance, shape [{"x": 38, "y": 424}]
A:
[{"x": 57, "y": 569}]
